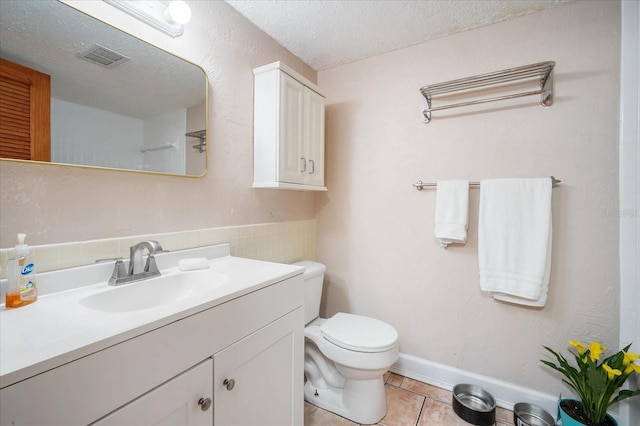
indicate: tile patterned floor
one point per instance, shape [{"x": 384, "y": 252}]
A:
[{"x": 409, "y": 403}]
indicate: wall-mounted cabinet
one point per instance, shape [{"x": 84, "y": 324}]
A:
[{"x": 288, "y": 136}]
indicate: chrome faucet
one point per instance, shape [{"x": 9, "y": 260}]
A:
[
  {"x": 135, "y": 258},
  {"x": 137, "y": 271}
]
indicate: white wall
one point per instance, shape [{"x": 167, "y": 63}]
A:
[
  {"x": 630, "y": 192},
  {"x": 375, "y": 231},
  {"x": 88, "y": 136},
  {"x": 163, "y": 130},
  {"x": 85, "y": 135}
]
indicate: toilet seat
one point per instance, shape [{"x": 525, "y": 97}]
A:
[
  {"x": 359, "y": 333},
  {"x": 347, "y": 357}
]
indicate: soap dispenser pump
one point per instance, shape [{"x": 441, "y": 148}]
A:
[{"x": 21, "y": 276}]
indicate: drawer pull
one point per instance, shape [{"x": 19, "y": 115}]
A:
[
  {"x": 204, "y": 403},
  {"x": 229, "y": 384}
]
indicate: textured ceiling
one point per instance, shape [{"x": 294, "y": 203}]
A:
[
  {"x": 46, "y": 35},
  {"x": 328, "y": 33}
]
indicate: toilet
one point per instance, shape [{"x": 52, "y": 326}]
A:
[{"x": 345, "y": 356}]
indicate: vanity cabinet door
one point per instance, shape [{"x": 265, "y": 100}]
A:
[
  {"x": 259, "y": 380},
  {"x": 184, "y": 400}
]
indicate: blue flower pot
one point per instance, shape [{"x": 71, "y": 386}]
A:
[{"x": 567, "y": 420}]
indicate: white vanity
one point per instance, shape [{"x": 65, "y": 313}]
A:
[{"x": 224, "y": 348}]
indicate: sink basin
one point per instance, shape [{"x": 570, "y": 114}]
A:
[{"x": 155, "y": 292}]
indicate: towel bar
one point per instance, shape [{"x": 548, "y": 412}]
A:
[{"x": 419, "y": 185}]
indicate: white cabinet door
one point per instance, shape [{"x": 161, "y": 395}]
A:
[
  {"x": 291, "y": 161},
  {"x": 258, "y": 380},
  {"x": 175, "y": 403},
  {"x": 288, "y": 130},
  {"x": 301, "y": 150},
  {"x": 314, "y": 137}
]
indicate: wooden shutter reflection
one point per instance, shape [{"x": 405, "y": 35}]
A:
[{"x": 25, "y": 113}]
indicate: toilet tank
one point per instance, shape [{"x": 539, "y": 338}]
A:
[{"x": 313, "y": 280}]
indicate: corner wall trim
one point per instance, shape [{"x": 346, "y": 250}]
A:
[{"x": 446, "y": 377}]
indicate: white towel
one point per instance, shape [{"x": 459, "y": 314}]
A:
[
  {"x": 514, "y": 239},
  {"x": 452, "y": 211},
  {"x": 542, "y": 300}
]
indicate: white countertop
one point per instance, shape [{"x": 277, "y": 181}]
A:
[{"x": 57, "y": 329}]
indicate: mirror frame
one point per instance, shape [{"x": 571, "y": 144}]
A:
[{"x": 147, "y": 172}]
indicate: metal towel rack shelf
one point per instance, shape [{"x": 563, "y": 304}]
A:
[
  {"x": 542, "y": 71},
  {"x": 419, "y": 185}
]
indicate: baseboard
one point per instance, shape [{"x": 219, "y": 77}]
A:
[{"x": 446, "y": 377}]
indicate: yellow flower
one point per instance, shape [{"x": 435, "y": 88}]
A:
[
  {"x": 595, "y": 350},
  {"x": 579, "y": 346},
  {"x": 611, "y": 372},
  {"x": 631, "y": 368},
  {"x": 629, "y": 357}
]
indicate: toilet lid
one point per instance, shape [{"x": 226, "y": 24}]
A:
[{"x": 358, "y": 333}]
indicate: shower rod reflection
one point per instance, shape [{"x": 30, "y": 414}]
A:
[{"x": 419, "y": 185}]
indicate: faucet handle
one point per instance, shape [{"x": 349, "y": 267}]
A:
[
  {"x": 118, "y": 272},
  {"x": 151, "y": 265}
]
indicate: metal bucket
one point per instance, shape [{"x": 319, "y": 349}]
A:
[
  {"x": 474, "y": 405},
  {"x": 531, "y": 415}
]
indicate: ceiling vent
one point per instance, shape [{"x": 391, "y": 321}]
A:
[{"x": 102, "y": 56}]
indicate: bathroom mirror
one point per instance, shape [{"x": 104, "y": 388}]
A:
[{"x": 146, "y": 113}]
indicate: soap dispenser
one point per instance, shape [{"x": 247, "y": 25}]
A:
[{"x": 21, "y": 277}]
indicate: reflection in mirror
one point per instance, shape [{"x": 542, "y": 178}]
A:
[{"x": 115, "y": 101}]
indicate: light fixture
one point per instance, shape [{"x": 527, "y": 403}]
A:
[{"x": 166, "y": 16}]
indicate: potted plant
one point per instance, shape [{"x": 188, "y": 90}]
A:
[{"x": 594, "y": 381}]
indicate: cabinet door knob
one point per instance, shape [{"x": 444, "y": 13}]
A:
[
  {"x": 229, "y": 384},
  {"x": 204, "y": 403},
  {"x": 303, "y": 163},
  {"x": 313, "y": 167}
]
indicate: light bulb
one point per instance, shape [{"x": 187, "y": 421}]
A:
[{"x": 179, "y": 12}]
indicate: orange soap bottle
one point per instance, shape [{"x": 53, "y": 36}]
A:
[{"x": 21, "y": 277}]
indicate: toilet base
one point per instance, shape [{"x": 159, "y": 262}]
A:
[{"x": 361, "y": 401}]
